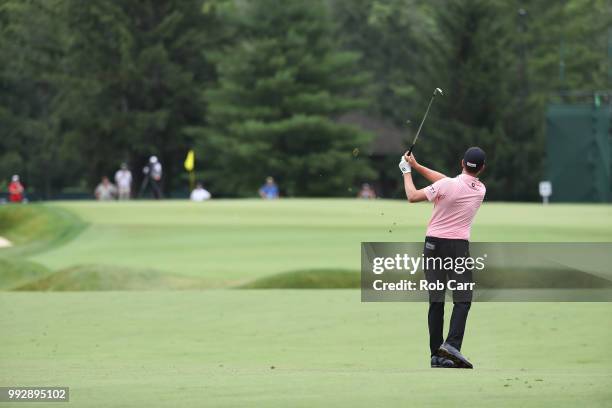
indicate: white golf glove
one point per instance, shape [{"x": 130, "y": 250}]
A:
[{"x": 404, "y": 166}]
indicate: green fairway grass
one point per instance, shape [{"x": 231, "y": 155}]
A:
[
  {"x": 279, "y": 348},
  {"x": 229, "y": 347},
  {"x": 230, "y": 242}
]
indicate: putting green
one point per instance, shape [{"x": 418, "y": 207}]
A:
[{"x": 217, "y": 347}]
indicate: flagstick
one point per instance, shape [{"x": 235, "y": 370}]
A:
[{"x": 191, "y": 180}]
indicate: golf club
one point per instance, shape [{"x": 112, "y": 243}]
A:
[{"x": 416, "y": 137}]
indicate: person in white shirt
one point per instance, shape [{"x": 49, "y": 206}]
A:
[
  {"x": 105, "y": 191},
  {"x": 200, "y": 193},
  {"x": 123, "y": 179}
]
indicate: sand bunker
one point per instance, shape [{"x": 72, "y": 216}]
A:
[{"x": 5, "y": 243}]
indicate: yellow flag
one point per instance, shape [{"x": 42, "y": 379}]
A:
[{"x": 190, "y": 160}]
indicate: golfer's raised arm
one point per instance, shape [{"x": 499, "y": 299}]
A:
[
  {"x": 412, "y": 194},
  {"x": 426, "y": 172}
]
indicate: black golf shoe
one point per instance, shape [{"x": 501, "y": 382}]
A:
[
  {"x": 441, "y": 362},
  {"x": 446, "y": 351}
]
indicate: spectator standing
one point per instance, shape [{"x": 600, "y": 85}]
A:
[
  {"x": 16, "y": 190},
  {"x": 123, "y": 179}
]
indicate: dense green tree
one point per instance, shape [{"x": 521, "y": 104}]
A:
[
  {"x": 390, "y": 36},
  {"x": 273, "y": 110},
  {"x": 134, "y": 71},
  {"x": 470, "y": 57},
  {"x": 566, "y": 45},
  {"x": 500, "y": 64},
  {"x": 32, "y": 46},
  {"x": 259, "y": 85}
]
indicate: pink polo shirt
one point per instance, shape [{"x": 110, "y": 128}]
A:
[{"x": 456, "y": 201}]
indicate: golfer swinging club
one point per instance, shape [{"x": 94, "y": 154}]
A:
[{"x": 456, "y": 201}]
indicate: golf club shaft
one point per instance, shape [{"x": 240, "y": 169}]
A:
[{"x": 416, "y": 137}]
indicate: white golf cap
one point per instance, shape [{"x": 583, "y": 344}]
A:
[
  {"x": 153, "y": 159},
  {"x": 15, "y": 177}
]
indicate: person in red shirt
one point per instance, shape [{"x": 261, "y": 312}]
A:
[{"x": 15, "y": 189}]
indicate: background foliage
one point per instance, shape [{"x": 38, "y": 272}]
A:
[{"x": 257, "y": 87}]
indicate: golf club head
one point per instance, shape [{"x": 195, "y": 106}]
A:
[{"x": 438, "y": 91}]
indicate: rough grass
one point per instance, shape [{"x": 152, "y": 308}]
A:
[
  {"x": 308, "y": 279},
  {"x": 35, "y": 228},
  {"x": 16, "y": 272},
  {"x": 29, "y": 276},
  {"x": 104, "y": 278},
  {"x": 32, "y": 229}
]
